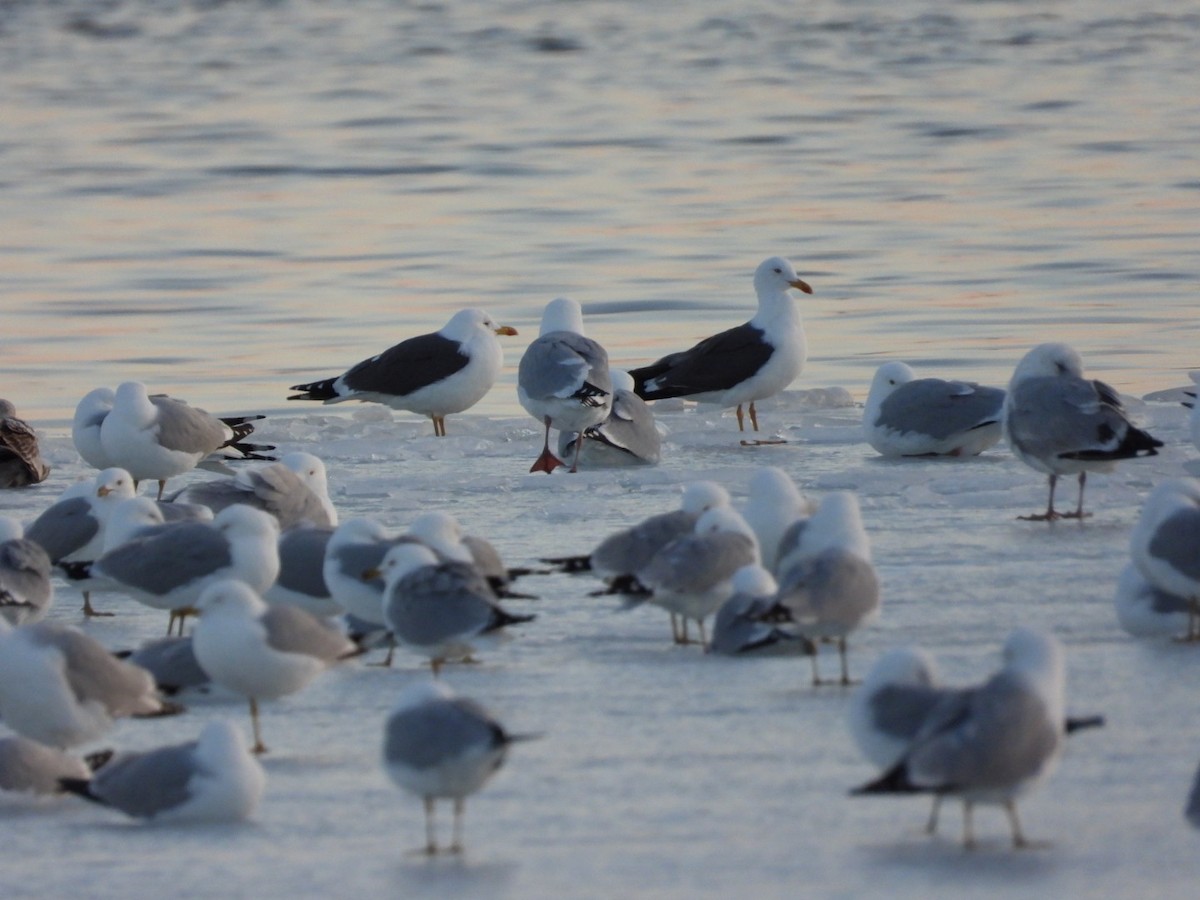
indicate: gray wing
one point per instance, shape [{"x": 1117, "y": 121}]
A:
[
  {"x": 26, "y": 765},
  {"x": 24, "y": 575},
  {"x": 1060, "y": 416},
  {"x": 629, "y": 428},
  {"x": 563, "y": 364},
  {"x": 171, "y": 662},
  {"x": 835, "y": 588},
  {"x": 737, "y": 627},
  {"x": 1192, "y": 811},
  {"x": 146, "y": 784},
  {"x": 434, "y": 604},
  {"x": 292, "y": 630},
  {"x": 283, "y": 494},
  {"x": 94, "y": 674},
  {"x": 216, "y": 494},
  {"x": 433, "y": 733},
  {"x": 302, "y": 560},
  {"x": 901, "y": 710},
  {"x": 166, "y": 558},
  {"x": 628, "y": 551},
  {"x": 1175, "y": 542},
  {"x": 697, "y": 562},
  {"x": 940, "y": 408},
  {"x": 64, "y": 527},
  {"x": 790, "y": 539},
  {"x": 354, "y": 559},
  {"x": 186, "y": 428},
  {"x": 487, "y": 558}
]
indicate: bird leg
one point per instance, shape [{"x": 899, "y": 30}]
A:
[
  {"x": 391, "y": 651},
  {"x": 846, "y": 680},
  {"x": 1019, "y": 841},
  {"x": 435, "y": 665},
  {"x": 703, "y": 636},
  {"x": 1049, "y": 515},
  {"x": 578, "y": 449},
  {"x": 162, "y": 484},
  {"x": 753, "y": 416},
  {"x": 931, "y": 825},
  {"x": 817, "y": 682},
  {"x": 675, "y": 628},
  {"x": 547, "y": 462},
  {"x": 968, "y": 830},
  {"x": 259, "y": 747},
  {"x": 439, "y": 426},
  {"x": 430, "y": 831},
  {"x": 456, "y": 845},
  {"x": 88, "y": 610},
  {"x": 741, "y": 425},
  {"x": 1079, "y": 513}
]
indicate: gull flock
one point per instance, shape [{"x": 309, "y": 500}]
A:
[{"x": 283, "y": 591}]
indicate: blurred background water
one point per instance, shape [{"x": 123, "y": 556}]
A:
[{"x": 225, "y": 198}]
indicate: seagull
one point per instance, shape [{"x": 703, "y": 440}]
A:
[
  {"x": 991, "y": 744},
  {"x": 563, "y": 379},
  {"x": 301, "y": 581},
  {"x": 773, "y": 505},
  {"x": 160, "y": 437},
  {"x": 358, "y": 545},
  {"x": 438, "y": 745},
  {"x": 628, "y": 437},
  {"x": 72, "y": 528},
  {"x": 261, "y": 652},
  {"x": 60, "y": 687},
  {"x": 172, "y": 662},
  {"x": 827, "y": 584},
  {"x": 910, "y": 416},
  {"x": 1165, "y": 544},
  {"x": 210, "y": 779},
  {"x": 21, "y": 462},
  {"x": 32, "y": 768},
  {"x": 738, "y": 627},
  {"x": 1060, "y": 423},
  {"x": 293, "y": 490},
  {"x": 442, "y": 533},
  {"x": 432, "y": 375},
  {"x": 137, "y": 515},
  {"x": 751, "y": 362},
  {"x": 26, "y": 591},
  {"x": 439, "y": 609}
]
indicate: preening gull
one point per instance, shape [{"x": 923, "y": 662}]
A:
[
  {"x": 60, "y": 687},
  {"x": 261, "y": 652},
  {"x": 21, "y": 461},
  {"x": 910, "y": 416},
  {"x": 293, "y": 490},
  {"x": 28, "y": 767},
  {"x": 210, "y": 779},
  {"x": 432, "y": 375},
  {"x": 26, "y": 590},
  {"x": 1165, "y": 544},
  {"x": 438, "y": 609},
  {"x": 628, "y": 437},
  {"x": 160, "y": 437},
  {"x": 301, "y": 580},
  {"x": 827, "y": 584},
  {"x": 72, "y": 528},
  {"x": 563, "y": 379},
  {"x": 751, "y": 362},
  {"x": 692, "y": 575},
  {"x": 773, "y": 505},
  {"x": 738, "y": 627},
  {"x": 1060, "y": 423},
  {"x": 994, "y": 743},
  {"x": 438, "y": 745}
]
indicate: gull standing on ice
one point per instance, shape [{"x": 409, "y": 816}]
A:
[
  {"x": 210, "y": 779},
  {"x": 1060, "y": 423},
  {"x": 751, "y": 362},
  {"x": 433, "y": 375},
  {"x": 827, "y": 584},
  {"x": 160, "y": 437},
  {"x": 994, "y": 743},
  {"x": 563, "y": 379},
  {"x": 293, "y": 490},
  {"x": 21, "y": 461},
  {"x": 26, "y": 590},
  {"x": 261, "y": 652},
  {"x": 628, "y": 437},
  {"x": 438, "y": 745},
  {"x": 1165, "y": 544},
  {"x": 910, "y": 416}
]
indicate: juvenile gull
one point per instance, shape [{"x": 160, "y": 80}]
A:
[
  {"x": 827, "y": 584},
  {"x": 301, "y": 580},
  {"x": 60, "y": 687},
  {"x": 432, "y": 375},
  {"x": 563, "y": 379},
  {"x": 28, "y": 767},
  {"x": 1060, "y": 423},
  {"x": 438, "y": 609},
  {"x": 438, "y": 745},
  {"x": 738, "y": 627},
  {"x": 21, "y": 461},
  {"x": 628, "y": 437},
  {"x": 910, "y": 416},
  {"x": 1165, "y": 544},
  {"x": 992, "y": 744},
  {"x": 773, "y": 505},
  {"x": 261, "y": 652},
  {"x": 26, "y": 590},
  {"x": 751, "y": 362},
  {"x": 293, "y": 490},
  {"x": 210, "y": 779}
]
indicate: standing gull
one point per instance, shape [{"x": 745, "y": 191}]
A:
[
  {"x": 992, "y": 744},
  {"x": 21, "y": 462},
  {"x": 628, "y": 437},
  {"x": 293, "y": 490},
  {"x": 261, "y": 652},
  {"x": 1165, "y": 544},
  {"x": 26, "y": 591},
  {"x": 210, "y": 779},
  {"x": 432, "y": 375},
  {"x": 910, "y": 416},
  {"x": 438, "y": 745},
  {"x": 563, "y": 379},
  {"x": 1060, "y": 423},
  {"x": 751, "y": 362}
]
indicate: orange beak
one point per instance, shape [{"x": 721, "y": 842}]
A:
[
  {"x": 506, "y": 330},
  {"x": 801, "y": 286}
]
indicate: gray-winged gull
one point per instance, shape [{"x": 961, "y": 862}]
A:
[
  {"x": 357, "y": 546},
  {"x": 1146, "y": 611},
  {"x": 432, "y": 375},
  {"x": 563, "y": 379},
  {"x": 26, "y": 590},
  {"x": 294, "y": 490},
  {"x": 738, "y": 628},
  {"x": 210, "y": 779},
  {"x": 1060, "y": 423},
  {"x": 443, "y": 534},
  {"x": 753, "y": 361},
  {"x": 773, "y": 505},
  {"x": 301, "y": 581},
  {"x": 172, "y": 662},
  {"x": 909, "y": 416},
  {"x": 1165, "y": 543},
  {"x": 628, "y": 437},
  {"x": 21, "y": 461}
]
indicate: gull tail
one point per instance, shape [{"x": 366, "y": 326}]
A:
[
  {"x": 502, "y": 618},
  {"x": 894, "y": 781},
  {"x": 1076, "y": 723},
  {"x": 316, "y": 390}
]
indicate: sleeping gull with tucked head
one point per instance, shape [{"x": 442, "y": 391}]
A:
[
  {"x": 26, "y": 590},
  {"x": 738, "y": 627},
  {"x": 1165, "y": 544},
  {"x": 293, "y": 490}
]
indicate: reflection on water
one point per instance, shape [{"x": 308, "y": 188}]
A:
[{"x": 225, "y": 199}]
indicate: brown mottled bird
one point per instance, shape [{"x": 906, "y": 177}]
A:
[{"x": 20, "y": 461}]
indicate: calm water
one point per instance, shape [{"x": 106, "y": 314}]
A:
[{"x": 221, "y": 199}]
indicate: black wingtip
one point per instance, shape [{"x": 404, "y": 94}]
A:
[
  {"x": 1079, "y": 723},
  {"x": 894, "y": 781},
  {"x": 76, "y": 571},
  {"x": 98, "y": 760},
  {"x": 317, "y": 390},
  {"x": 80, "y": 787}
]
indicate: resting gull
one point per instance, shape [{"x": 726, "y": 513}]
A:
[
  {"x": 172, "y": 663},
  {"x": 910, "y": 416},
  {"x": 773, "y": 505},
  {"x": 628, "y": 437},
  {"x": 301, "y": 581},
  {"x": 438, "y": 745},
  {"x": 28, "y": 767},
  {"x": 1060, "y": 423},
  {"x": 442, "y": 533},
  {"x": 1165, "y": 544},
  {"x": 432, "y": 375},
  {"x": 26, "y": 590},
  {"x": 210, "y": 779},
  {"x": 751, "y": 362},
  {"x": 563, "y": 379},
  {"x": 21, "y": 461},
  {"x": 293, "y": 490},
  {"x": 738, "y": 627}
]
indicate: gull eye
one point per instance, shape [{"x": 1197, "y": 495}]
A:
[{"x": 778, "y": 271}]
